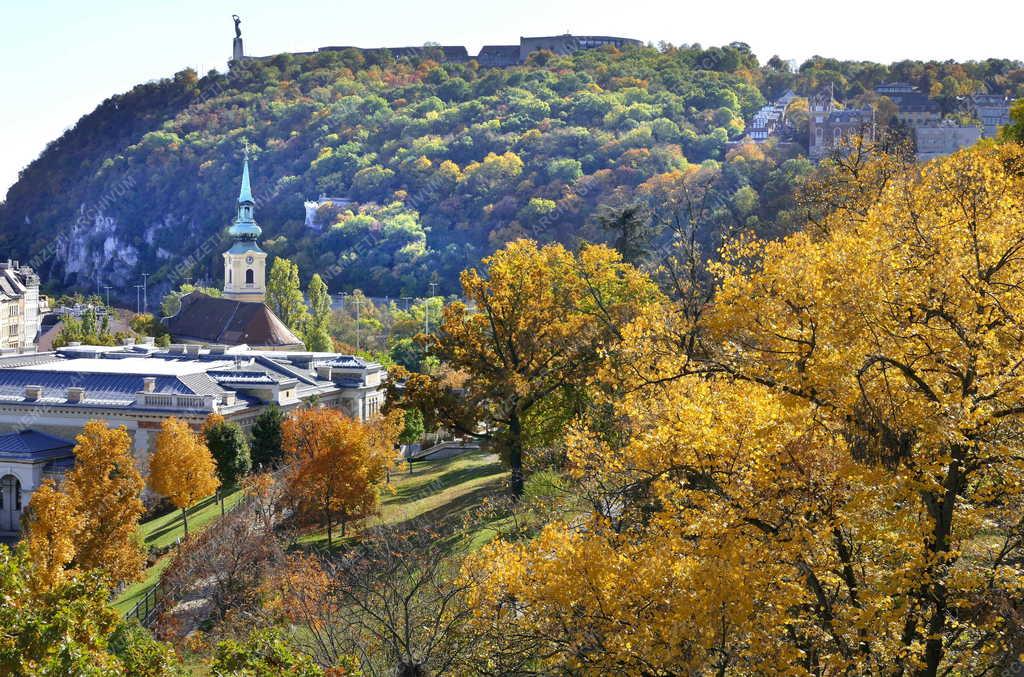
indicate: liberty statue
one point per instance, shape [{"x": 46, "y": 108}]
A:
[{"x": 238, "y": 23}]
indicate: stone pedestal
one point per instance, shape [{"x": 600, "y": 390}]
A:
[{"x": 237, "y": 53}]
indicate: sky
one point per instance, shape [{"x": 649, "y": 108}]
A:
[{"x": 62, "y": 58}]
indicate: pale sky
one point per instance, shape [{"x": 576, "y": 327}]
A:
[{"x": 61, "y": 58}]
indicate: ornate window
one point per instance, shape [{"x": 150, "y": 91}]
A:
[{"x": 249, "y": 277}]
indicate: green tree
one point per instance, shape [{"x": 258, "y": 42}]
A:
[
  {"x": 171, "y": 303},
  {"x": 69, "y": 630},
  {"x": 266, "y": 437},
  {"x": 1014, "y": 131},
  {"x": 318, "y": 335},
  {"x": 284, "y": 295},
  {"x": 264, "y": 652},
  {"x": 230, "y": 450},
  {"x": 413, "y": 429}
]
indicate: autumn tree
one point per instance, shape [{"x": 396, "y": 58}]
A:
[
  {"x": 852, "y": 420},
  {"x": 266, "y": 437},
  {"x": 335, "y": 465},
  {"x": 105, "y": 488},
  {"x": 181, "y": 467},
  {"x": 318, "y": 334},
  {"x": 51, "y": 526},
  {"x": 350, "y": 606},
  {"x": 284, "y": 295},
  {"x": 543, "y": 318}
]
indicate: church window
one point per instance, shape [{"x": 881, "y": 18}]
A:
[{"x": 249, "y": 277}]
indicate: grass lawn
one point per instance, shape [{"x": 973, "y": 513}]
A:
[
  {"x": 163, "y": 531},
  {"x": 438, "y": 492}
]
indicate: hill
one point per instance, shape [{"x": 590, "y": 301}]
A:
[{"x": 443, "y": 162}]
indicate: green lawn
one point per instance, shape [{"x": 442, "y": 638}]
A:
[
  {"x": 438, "y": 493},
  {"x": 161, "y": 532}
]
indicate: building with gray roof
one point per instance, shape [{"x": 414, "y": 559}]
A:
[
  {"x": 27, "y": 458},
  {"x": 139, "y": 386}
]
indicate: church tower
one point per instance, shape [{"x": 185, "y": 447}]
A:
[{"x": 245, "y": 264}]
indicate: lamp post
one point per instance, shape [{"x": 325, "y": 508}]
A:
[
  {"x": 138, "y": 299},
  {"x": 145, "y": 290},
  {"x": 107, "y": 288}
]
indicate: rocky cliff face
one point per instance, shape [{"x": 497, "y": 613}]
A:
[{"x": 104, "y": 251}]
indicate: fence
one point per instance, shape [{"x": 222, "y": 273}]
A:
[{"x": 148, "y": 608}]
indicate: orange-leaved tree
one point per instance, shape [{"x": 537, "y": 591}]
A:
[
  {"x": 52, "y": 524},
  {"x": 336, "y": 464},
  {"x": 105, "y": 488},
  {"x": 182, "y": 468}
]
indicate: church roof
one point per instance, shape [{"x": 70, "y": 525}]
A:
[
  {"x": 208, "y": 319},
  {"x": 243, "y": 246},
  {"x": 245, "y": 193}
]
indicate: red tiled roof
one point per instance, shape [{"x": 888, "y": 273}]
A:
[{"x": 208, "y": 319}]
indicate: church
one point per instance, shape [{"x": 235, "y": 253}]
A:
[{"x": 240, "y": 316}]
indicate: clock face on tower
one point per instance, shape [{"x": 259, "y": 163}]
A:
[{"x": 249, "y": 259}]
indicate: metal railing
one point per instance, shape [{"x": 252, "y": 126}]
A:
[{"x": 148, "y": 608}]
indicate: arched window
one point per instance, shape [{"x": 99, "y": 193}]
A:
[
  {"x": 10, "y": 503},
  {"x": 249, "y": 277}
]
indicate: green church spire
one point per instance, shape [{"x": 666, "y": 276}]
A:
[
  {"x": 245, "y": 194},
  {"x": 245, "y": 230}
]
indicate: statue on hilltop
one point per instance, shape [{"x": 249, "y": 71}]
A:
[{"x": 238, "y": 23}]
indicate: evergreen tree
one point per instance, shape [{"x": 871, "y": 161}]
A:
[
  {"x": 318, "y": 335},
  {"x": 230, "y": 450},
  {"x": 266, "y": 437},
  {"x": 284, "y": 295}
]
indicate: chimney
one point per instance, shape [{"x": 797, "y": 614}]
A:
[
  {"x": 176, "y": 348},
  {"x": 148, "y": 340},
  {"x": 192, "y": 348},
  {"x": 323, "y": 372},
  {"x": 33, "y": 392},
  {"x": 76, "y": 395},
  {"x": 218, "y": 349},
  {"x": 148, "y": 384},
  {"x": 127, "y": 341}
]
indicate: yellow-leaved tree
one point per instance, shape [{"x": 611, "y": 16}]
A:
[
  {"x": 543, "y": 319},
  {"x": 105, "y": 488},
  {"x": 832, "y": 482},
  {"x": 52, "y": 524},
  {"x": 181, "y": 467}
]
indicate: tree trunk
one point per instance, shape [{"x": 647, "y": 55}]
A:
[
  {"x": 515, "y": 454},
  {"x": 330, "y": 533},
  {"x": 184, "y": 519},
  {"x": 220, "y": 499},
  {"x": 940, "y": 508}
]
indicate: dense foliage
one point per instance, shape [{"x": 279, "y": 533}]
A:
[{"x": 445, "y": 161}]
